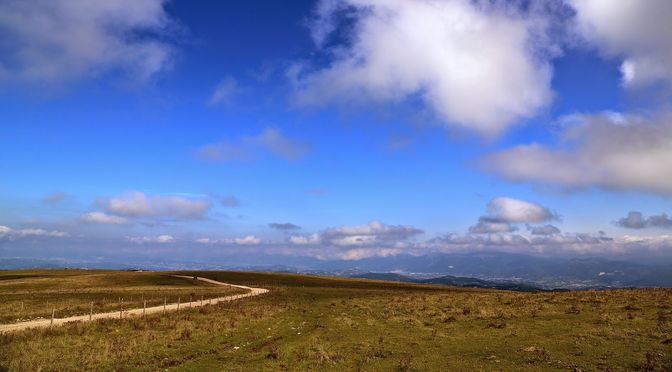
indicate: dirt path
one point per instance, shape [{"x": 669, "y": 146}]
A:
[{"x": 44, "y": 323}]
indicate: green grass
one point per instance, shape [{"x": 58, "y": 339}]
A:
[{"x": 319, "y": 323}]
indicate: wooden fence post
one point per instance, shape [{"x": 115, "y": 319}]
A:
[
  {"x": 121, "y": 311},
  {"x": 201, "y": 300},
  {"x": 53, "y": 311},
  {"x": 164, "y": 304},
  {"x": 144, "y": 307}
]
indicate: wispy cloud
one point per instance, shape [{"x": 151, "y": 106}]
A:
[
  {"x": 230, "y": 201},
  {"x": 225, "y": 91},
  {"x": 161, "y": 239},
  {"x": 316, "y": 191},
  {"x": 57, "y": 41},
  {"x": 245, "y": 240},
  {"x": 104, "y": 218},
  {"x": 284, "y": 226},
  {"x": 248, "y": 148},
  {"x": 55, "y": 197}
]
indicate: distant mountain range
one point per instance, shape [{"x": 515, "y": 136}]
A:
[
  {"x": 494, "y": 269},
  {"x": 454, "y": 281},
  {"x": 544, "y": 272}
]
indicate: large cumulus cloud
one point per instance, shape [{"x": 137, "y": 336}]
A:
[{"x": 480, "y": 65}]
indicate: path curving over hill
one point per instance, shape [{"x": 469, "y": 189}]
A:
[{"x": 45, "y": 323}]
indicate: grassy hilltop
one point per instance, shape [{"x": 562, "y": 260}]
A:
[{"x": 321, "y": 323}]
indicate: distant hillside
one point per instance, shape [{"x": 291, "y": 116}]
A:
[
  {"x": 453, "y": 280},
  {"x": 385, "y": 276},
  {"x": 479, "y": 283}
]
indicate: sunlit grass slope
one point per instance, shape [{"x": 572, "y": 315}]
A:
[{"x": 319, "y": 323}]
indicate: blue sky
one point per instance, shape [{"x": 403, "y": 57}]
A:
[{"x": 367, "y": 128}]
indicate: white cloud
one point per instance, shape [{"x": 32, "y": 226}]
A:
[
  {"x": 373, "y": 228},
  {"x": 516, "y": 210},
  {"x": 305, "y": 239},
  {"x": 54, "y": 41},
  {"x": 355, "y": 240},
  {"x": 138, "y": 204},
  {"x": 503, "y": 212},
  {"x": 477, "y": 64},
  {"x": 224, "y": 92},
  {"x": 11, "y": 234},
  {"x": 104, "y": 218},
  {"x": 40, "y": 232},
  {"x": 151, "y": 239},
  {"x": 247, "y": 148},
  {"x": 249, "y": 239},
  {"x": 617, "y": 152},
  {"x": 375, "y": 233},
  {"x": 637, "y": 31},
  {"x": 246, "y": 240}
]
